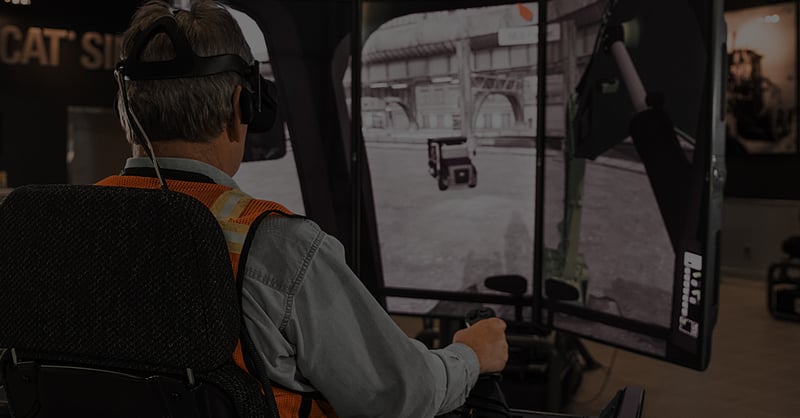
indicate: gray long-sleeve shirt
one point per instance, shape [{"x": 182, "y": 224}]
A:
[{"x": 317, "y": 328}]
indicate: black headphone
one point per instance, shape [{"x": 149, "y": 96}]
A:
[{"x": 257, "y": 100}]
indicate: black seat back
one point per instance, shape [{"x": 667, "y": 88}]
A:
[{"x": 118, "y": 302}]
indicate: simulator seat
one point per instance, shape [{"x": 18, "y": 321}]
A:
[{"x": 119, "y": 302}]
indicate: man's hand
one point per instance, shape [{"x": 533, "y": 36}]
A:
[{"x": 487, "y": 338}]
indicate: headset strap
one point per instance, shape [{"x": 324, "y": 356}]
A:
[{"x": 186, "y": 62}]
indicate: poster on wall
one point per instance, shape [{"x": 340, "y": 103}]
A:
[{"x": 762, "y": 80}]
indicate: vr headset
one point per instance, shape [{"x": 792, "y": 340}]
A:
[{"x": 257, "y": 100}]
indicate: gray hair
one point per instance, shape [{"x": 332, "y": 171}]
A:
[{"x": 194, "y": 109}]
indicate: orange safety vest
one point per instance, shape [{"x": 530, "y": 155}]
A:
[{"x": 235, "y": 211}]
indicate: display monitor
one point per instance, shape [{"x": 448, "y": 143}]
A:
[
  {"x": 483, "y": 199},
  {"x": 632, "y": 199}
]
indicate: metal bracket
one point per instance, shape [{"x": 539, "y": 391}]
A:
[{"x": 190, "y": 377}]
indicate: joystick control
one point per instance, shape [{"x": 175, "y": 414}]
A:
[
  {"x": 475, "y": 315},
  {"x": 486, "y": 399}
]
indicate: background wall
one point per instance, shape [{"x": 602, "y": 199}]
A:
[{"x": 753, "y": 231}]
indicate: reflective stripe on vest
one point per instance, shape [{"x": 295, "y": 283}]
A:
[{"x": 235, "y": 211}]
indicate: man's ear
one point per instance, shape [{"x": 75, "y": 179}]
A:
[{"x": 235, "y": 128}]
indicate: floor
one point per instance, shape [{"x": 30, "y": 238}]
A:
[{"x": 754, "y": 370}]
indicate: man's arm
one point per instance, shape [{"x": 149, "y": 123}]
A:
[
  {"x": 344, "y": 344},
  {"x": 352, "y": 351}
]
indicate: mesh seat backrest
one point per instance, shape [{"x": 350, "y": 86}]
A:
[{"x": 115, "y": 277}]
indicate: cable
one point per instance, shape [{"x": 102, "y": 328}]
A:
[
  {"x": 130, "y": 116},
  {"x": 603, "y": 386},
  {"x": 610, "y": 367}
]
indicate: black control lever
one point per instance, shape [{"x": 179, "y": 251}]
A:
[
  {"x": 486, "y": 400},
  {"x": 475, "y": 315}
]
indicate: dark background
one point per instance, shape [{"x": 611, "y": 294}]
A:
[{"x": 34, "y": 98}]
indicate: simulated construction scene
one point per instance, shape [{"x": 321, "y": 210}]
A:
[{"x": 449, "y": 117}]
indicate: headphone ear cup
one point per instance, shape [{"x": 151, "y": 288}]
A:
[
  {"x": 269, "y": 102},
  {"x": 246, "y": 106}
]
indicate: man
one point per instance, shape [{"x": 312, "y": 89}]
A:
[{"x": 314, "y": 325}]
